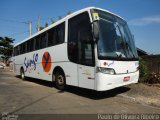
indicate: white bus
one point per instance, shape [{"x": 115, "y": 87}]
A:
[{"x": 91, "y": 48}]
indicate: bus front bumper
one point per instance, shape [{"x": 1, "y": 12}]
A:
[{"x": 106, "y": 81}]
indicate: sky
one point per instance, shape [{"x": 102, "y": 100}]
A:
[{"x": 143, "y": 17}]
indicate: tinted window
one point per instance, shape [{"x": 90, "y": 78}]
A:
[
  {"x": 23, "y": 48},
  {"x": 14, "y": 54},
  {"x": 115, "y": 40},
  {"x": 30, "y": 45},
  {"x": 79, "y": 51},
  {"x": 18, "y": 49},
  {"x": 37, "y": 43},
  {"x": 56, "y": 35},
  {"x": 51, "y": 37},
  {"x": 43, "y": 40},
  {"x": 15, "y": 51},
  {"x": 60, "y": 33}
]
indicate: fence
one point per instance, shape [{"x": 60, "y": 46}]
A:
[{"x": 153, "y": 63}]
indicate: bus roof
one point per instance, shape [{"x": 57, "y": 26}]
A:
[{"x": 62, "y": 20}]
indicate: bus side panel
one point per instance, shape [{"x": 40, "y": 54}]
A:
[
  {"x": 34, "y": 67},
  {"x": 41, "y": 63},
  {"x": 17, "y": 69},
  {"x": 17, "y": 64},
  {"x": 71, "y": 73}
]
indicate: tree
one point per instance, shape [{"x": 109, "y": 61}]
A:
[
  {"x": 52, "y": 20},
  {"x": 69, "y": 12},
  {"x": 143, "y": 70},
  {"x": 59, "y": 17},
  {"x": 6, "y": 47},
  {"x": 46, "y": 24}
]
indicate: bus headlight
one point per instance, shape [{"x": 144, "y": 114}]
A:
[{"x": 106, "y": 70}]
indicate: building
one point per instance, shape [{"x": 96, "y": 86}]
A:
[{"x": 141, "y": 52}]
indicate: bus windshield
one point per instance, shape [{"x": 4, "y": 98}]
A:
[{"x": 115, "y": 40}]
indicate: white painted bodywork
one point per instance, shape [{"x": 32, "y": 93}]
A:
[
  {"x": 122, "y": 68},
  {"x": 77, "y": 75}
]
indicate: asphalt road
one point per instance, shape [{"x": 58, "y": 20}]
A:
[{"x": 34, "y": 96}]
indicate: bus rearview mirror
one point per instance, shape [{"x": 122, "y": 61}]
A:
[{"x": 95, "y": 30}]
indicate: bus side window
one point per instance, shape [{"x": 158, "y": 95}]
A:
[
  {"x": 56, "y": 35},
  {"x": 15, "y": 51},
  {"x": 18, "y": 51},
  {"x": 60, "y": 33},
  {"x": 43, "y": 40},
  {"x": 37, "y": 43},
  {"x": 30, "y": 44},
  {"x": 51, "y": 37},
  {"x": 79, "y": 31},
  {"x": 25, "y": 47},
  {"x": 21, "y": 48},
  {"x": 72, "y": 39}
]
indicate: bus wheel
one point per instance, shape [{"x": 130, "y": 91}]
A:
[
  {"x": 60, "y": 81},
  {"x": 22, "y": 74}
]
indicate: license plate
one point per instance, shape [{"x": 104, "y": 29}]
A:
[{"x": 126, "y": 78}]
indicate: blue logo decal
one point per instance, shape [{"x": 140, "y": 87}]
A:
[
  {"x": 110, "y": 63},
  {"x": 31, "y": 62}
]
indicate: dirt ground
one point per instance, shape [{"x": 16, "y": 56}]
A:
[{"x": 145, "y": 93}]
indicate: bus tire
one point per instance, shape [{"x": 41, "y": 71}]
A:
[
  {"x": 22, "y": 74},
  {"x": 60, "y": 81}
]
